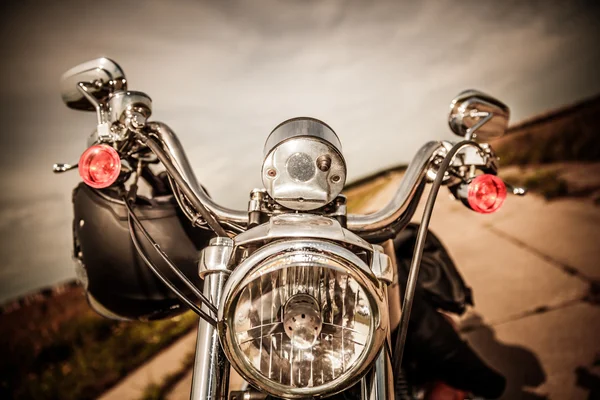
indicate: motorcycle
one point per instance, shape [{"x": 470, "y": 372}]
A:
[{"x": 299, "y": 297}]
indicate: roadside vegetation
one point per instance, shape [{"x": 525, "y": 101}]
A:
[
  {"x": 363, "y": 190},
  {"x": 549, "y": 184},
  {"x": 556, "y": 154},
  {"x": 160, "y": 390},
  {"x": 565, "y": 135},
  {"x": 365, "y": 193},
  {"x": 61, "y": 349},
  {"x": 557, "y": 180}
]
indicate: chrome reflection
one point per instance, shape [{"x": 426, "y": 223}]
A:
[
  {"x": 303, "y": 317},
  {"x": 303, "y": 361}
]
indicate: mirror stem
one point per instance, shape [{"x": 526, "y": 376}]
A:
[
  {"x": 473, "y": 129},
  {"x": 103, "y": 130}
]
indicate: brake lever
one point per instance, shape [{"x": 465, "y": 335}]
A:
[
  {"x": 517, "y": 191},
  {"x": 61, "y": 167}
]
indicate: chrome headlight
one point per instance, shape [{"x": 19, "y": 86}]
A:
[{"x": 303, "y": 317}]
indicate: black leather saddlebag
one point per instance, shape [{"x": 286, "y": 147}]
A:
[
  {"x": 443, "y": 286},
  {"x": 119, "y": 285}
]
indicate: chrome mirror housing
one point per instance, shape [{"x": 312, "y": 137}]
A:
[
  {"x": 130, "y": 109},
  {"x": 85, "y": 86},
  {"x": 476, "y": 114}
]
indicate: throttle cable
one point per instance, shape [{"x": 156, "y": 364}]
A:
[
  {"x": 413, "y": 273},
  {"x": 133, "y": 219},
  {"x": 162, "y": 155}
]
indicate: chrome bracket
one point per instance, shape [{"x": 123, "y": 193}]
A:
[
  {"x": 381, "y": 265},
  {"x": 248, "y": 394},
  {"x": 215, "y": 258}
]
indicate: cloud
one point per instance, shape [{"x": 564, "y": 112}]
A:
[
  {"x": 223, "y": 74},
  {"x": 36, "y": 245}
]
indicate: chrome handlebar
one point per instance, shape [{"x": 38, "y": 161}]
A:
[
  {"x": 173, "y": 146},
  {"x": 400, "y": 209},
  {"x": 377, "y": 226},
  {"x": 100, "y": 84}
]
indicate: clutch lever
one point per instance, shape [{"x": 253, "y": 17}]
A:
[{"x": 62, "y": 167}]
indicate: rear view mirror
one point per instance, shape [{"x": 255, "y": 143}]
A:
[
  {"x": 92, "y": 80},
  {"x": 475, "y": 114}
]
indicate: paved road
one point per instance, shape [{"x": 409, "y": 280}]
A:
[
  {"x": 532, "y": 267},
  {"x": 167, "y": 362}
]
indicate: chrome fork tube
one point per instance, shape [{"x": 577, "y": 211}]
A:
[
  {"x": 378, "y": 384},
  {"x": 210, "y": 379}
]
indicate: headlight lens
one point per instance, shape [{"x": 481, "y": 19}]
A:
[{"x": 303, "y": 320}]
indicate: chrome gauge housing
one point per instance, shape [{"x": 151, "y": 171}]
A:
[
  {"x": 303, "y": 167},
  {"x": 303, "y": 317}
]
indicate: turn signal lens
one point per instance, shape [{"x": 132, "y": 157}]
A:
[
  {"x": 100, "y": 166},
  {"x": 486, "y": 193}
]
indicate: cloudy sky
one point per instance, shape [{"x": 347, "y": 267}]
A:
[{"x": 224, "y": 73}]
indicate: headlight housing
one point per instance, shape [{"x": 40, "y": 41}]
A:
[{"x": 303, "y": 317}]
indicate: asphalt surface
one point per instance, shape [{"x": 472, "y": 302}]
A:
[{"x": 534, "y": 267}]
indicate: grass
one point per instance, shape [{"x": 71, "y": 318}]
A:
[
  {"x": 79, "y": 356},
  {"x": 559, "y": 137},
  {"x": 360, "y": 195},
  {"x": 547, "y": 183},
  {"x": 571, "y": 135}
]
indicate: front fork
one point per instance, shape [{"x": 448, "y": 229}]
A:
[
  {"x": 383, "y": 366},
  {"x": 210, "y": 379},
  {"x": 378, "y": 383}
]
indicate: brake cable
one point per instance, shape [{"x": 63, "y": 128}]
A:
[
  {"x": 164, "y": 279},
  {"x": 162, "y": 155},
  {"x": 413, "y": 273},
  {"x": 133, "y": 219}
]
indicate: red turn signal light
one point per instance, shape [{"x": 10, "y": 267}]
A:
[
  {"x": 99, "y": 166},
  {"x": 486, "y": 193}
]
